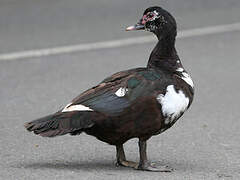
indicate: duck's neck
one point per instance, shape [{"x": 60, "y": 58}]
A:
[{"x": 164, "y": 55}]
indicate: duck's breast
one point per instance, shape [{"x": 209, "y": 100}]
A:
[{"x": 173, "y": 103}]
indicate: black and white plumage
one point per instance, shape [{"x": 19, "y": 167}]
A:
[{"x": 136, "y": 103}]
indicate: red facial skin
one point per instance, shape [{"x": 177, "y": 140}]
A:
[{"x": 147, "y": 17}]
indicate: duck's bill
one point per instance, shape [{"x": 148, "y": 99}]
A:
[{"x": 135, "y": 27}]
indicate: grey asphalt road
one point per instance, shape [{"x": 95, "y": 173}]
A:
[{"x": 204, "y": 143}]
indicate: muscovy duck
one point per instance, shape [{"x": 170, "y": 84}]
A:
[{"x": 136, "y": 103}]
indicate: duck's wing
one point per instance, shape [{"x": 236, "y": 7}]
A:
[{"x": 114, "y": 94}]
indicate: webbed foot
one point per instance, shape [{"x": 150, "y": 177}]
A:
[
  {"x": 125, "y": 163},
  {"x": 153, "y": 167}
]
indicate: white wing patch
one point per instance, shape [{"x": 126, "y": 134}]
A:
[
  {"x": 79, "y": 107},
  {"x": 186, "y": 77},
  {"x": 173, "y": 103},
  {"x": 121, "y": 92}
]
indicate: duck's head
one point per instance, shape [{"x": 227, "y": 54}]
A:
[{"x": 156, "y": 20}]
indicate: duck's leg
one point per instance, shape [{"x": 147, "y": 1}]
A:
[
  {"x": 121, "y": 158},
  {"x": 144, "y": 164}
]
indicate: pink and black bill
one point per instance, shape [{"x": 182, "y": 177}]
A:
[{"x": 135, "y": 27}]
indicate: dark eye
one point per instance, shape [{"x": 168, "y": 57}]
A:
[{"x": 150, "y": 15}]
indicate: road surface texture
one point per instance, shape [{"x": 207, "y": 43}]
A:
[{"x": 203, "y": 144}]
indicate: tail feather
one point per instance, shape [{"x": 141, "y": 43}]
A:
[{"x": 60, "y": 123}]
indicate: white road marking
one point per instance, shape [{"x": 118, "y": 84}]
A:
[
  {"x": 79, "y": 107},
  {"x": 116, "y": 43}
]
